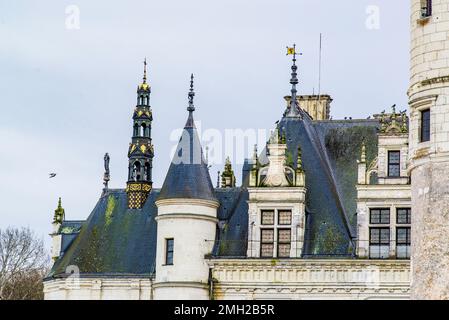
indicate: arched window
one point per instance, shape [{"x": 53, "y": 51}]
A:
[
  {"x": 136, "y": 130},
  {"x": 147, "y": 176},
  {"x": 144, "y": 129},
  {"x": 137, "y": 174}
]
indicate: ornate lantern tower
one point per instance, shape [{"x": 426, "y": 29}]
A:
[{"x": 140, "y": 153}]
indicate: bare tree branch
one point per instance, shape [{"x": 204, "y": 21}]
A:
[{"x": 23, "y": 264}]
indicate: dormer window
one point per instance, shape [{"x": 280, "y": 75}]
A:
[
  {"x": 275, "y": 233},
  {"x": 426, "y": 8}
]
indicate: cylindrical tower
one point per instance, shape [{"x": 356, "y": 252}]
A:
[
  {"x": 186, "y": 221},
  {"x": 429, "y": 148}
]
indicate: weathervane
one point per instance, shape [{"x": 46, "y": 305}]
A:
[{"x": 293, "y": 110}]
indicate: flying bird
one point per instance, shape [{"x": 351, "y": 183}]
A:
[{"x": 52, "y": 175}]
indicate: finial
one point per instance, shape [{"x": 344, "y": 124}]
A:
[
  {"x": 218, "y": 179},
  {"x": 255, "y": 157},
  {"x": 293, "y": 108},
  {"x": 363, "y": 156},
  {"x": 227, "y": 177},
  {"x": 191, "y": 107},
  {"x": 59, "y": 213},
  {"x": 145, "y": 70},
  {"x": 299, "y": 159}
]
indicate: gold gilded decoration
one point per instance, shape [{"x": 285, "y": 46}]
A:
[
  {"x": 143, "y": 148},
  {"x": 144, "y": 86},
  {"x": 137, "y": 194}
]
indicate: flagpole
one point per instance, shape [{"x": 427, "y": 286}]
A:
[{"x": 319, "y": 69}]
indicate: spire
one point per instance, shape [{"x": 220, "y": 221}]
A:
[
  {"x": 59, "y": 213},
  {"x": 191, "y": 95},
  {"x": 144, "y": 85},
  {"x": 190, "y": 123},
  {"x": 145, "y": 70},
  {"x": 188, "y": 176},
  {"x": 140, "y": 152},
  {"x": 293, "y": 107}
]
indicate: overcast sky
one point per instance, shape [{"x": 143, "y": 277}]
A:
[{"x": 67, "y": 94}]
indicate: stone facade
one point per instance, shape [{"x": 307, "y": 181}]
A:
[
  {"x": 301, "y": 279},
  {"x": 429, "y": 160},
  {"x": 191, "y": 223},
  {"x": 99, "y": 288}
]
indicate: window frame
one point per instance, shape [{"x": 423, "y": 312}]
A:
[
  {"x": 279, "y": 217},
  {"x": 276, "y": 226},
  {"x": 396, "y": 165},
  {"x": 379, "y": 244},
  {"x": 262, "y": 242},
  {"x": 169, "y": 262},
  {"x": 425, "y": 130},
  {"x": 408, "y": 216},
  {"x": 408, "y": 241},
  {"x": 426, "y": 8},
  {"x": 280, "y": 243},
  {"x": 380, "y": 216},
  {"x": 267, "y": 211}
]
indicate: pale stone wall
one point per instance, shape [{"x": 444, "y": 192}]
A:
[
  {"x": 429, "y": 161},
  {"x": 289, "y": 198},
  {"x": 192, "y": 224},
  {"x": 296, "y": 279},
  {"x": 388, "y": 143},
  {"x": 104, "y": 288},
  {"x": 379, "y": 196}
]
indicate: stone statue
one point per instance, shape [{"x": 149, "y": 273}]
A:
[{"x": 106, "y": 176}]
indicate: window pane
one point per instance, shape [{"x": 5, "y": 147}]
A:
[
  {"x": 284, "y": 250},
  {"x": 266, "y": 250},
  {"x": 284, "y": 235},
  {"x": 425, "y": 125},
  {"x": 380, "y": 216},
  {"x": 285, "y": 217},
  {"x": 403, "y": 236},
  {"x": 394, "y": 160},
  {"x": 169, "y": 246},
  {"x": 267, "y": 235},
  {"x": 403, "y": 251},
  {"x": 394, "y": 170},
  {"x": 404, "y": 216},
  {"x": 379, "y": 236},
  {"x": 385, "y": 236},
  {"x": 379, "y": 252},
  {"x": 267, "y": 217},
  {"x": 394, "y": 157},
  {"x": 375, "y": 216}
]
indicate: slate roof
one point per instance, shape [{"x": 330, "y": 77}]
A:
[
  {"x": 118, "y": 241},
  {"x": 188, "y": 175},
  {"x": 114, "y": 240}
]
